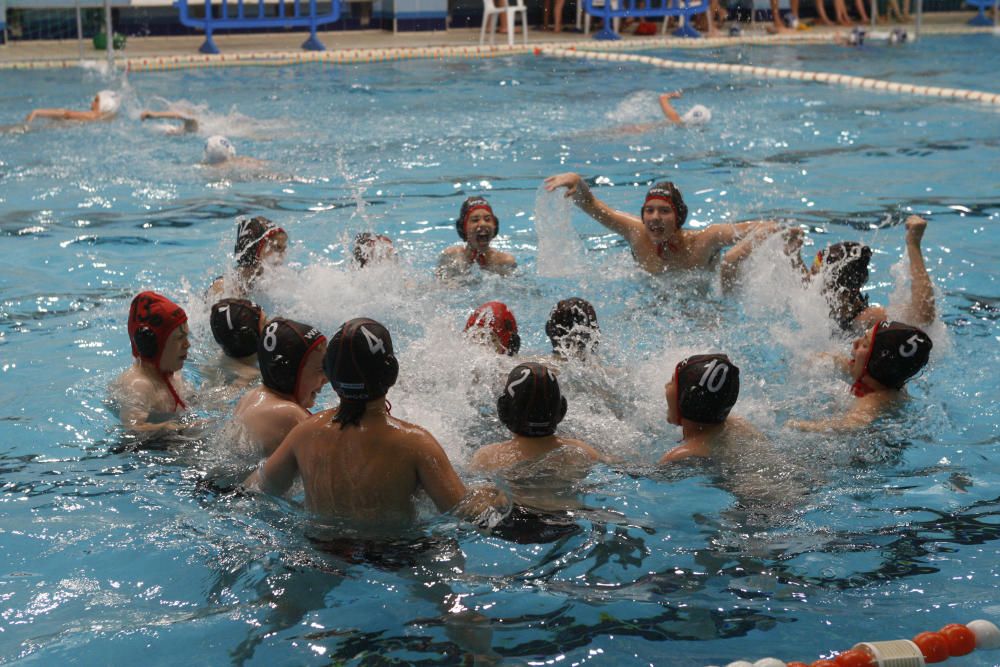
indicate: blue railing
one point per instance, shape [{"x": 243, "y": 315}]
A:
[
  {"x": 981, "y": 18},
  {"x": 652, "y": 9},
  {"x": 254, "y": 15}
]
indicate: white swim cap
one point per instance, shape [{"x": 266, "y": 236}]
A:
[
  {"x": 218, "y": 149},
  {"x": 108, "y": 101},
  {"x": 697, "y": 115}
]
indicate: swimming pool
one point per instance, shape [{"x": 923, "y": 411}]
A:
[{"x": 806, "y": 547}]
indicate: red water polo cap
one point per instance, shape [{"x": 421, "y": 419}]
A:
[
  {"x": 496, "y": 317},
  {"x": 151, "y": 319}
]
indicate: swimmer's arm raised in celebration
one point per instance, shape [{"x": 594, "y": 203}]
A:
[
  {"x": 921, "y": 309},
  {"x": 629, "y": 226},
  {"x": 668, "y": 108},
  {"x": 190, "y": 124}
]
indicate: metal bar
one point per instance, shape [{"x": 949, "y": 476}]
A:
[
  {"x": 920, "y": 18},
  {"x": 110, "y": 32},
  {"x": 874, "y": 12},
  {"x": 79, "y": 30}
]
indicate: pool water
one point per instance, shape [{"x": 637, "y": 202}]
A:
[{"x": 806, "y": 545}]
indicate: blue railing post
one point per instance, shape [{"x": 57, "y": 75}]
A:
[
  {"x": 607, "y": 31},
  {"x": 313, "y": 43},
  {"x": 686, "y": 29},
  {"x": 224, "y": 21},
  {"x": 208, "y": 46}
]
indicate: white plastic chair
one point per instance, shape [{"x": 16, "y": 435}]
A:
[
  {"x": 683, "y": 20},
  {"x": 491, "y": 14},
  {"x": 586, "y": 17}
]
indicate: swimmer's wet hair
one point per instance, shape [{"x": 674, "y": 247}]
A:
[
  {"x": 707, "y": 388},
  {"x": 531, "y": 403},
  {"x": 572, "y": 326},
  {"x": 468, "y": 206},
  {"x": 361, "y": 367},
  {"x": 667, "y": 190}
]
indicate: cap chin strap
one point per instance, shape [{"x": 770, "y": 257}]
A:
[{"x": 178, "y": 401}]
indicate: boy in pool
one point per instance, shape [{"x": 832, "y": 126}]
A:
[
  {"x": 236, "y": 325},
  {"x": 477, "y": 226},
  {"x": 531, "y": 406},
  {"x": 657, "y": 241},
  {"x": 259, "y": 243},
  {"x": 220, "y": 155},
  {"x": 357, "y": 461},
  {"x": 104, "y": 107},
  {"x": 291, "y": 369},
  {"x": 843, "y": 268},
  {"x": 696, "y": 115},
  {"x": 372, "y": 249},
  {"x": 151, "y": 390},
  {"x": 703, "y": 390},
  {"x": 572, "y": 328},
  {"x": 882, "y": 360},
  {"x": 189, "y": 124},
  {"x": 493, "y": 324}
]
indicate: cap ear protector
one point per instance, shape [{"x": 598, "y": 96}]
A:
[
  {"x": 470, "y": 205},
  {"x": 531, "y": 403},
  {"x": 145, "y": 342},
  {"x": 152, "y": 318},
  {"x": 360, "y": 363},
  {"x": 707, "y": 388},
  {"x": 668, "y": 192}
]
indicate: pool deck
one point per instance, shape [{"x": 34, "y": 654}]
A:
[{"x": 367, "y": 45}]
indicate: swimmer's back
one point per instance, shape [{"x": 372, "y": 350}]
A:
[{"x": 369, "y": 472}]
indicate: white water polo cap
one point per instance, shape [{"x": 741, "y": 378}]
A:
[
  {"x": 218, "y": 149},
  {"x": 108, "y": 101},
  {"x": 697, "y": 115}
]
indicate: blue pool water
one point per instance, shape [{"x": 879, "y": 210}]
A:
[{"x": 805, "y": 546}]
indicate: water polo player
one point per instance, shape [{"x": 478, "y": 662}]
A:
[
  {"x": 572, "y": 328},
  {"x": 290, "y": 355},
  {"x": 702, "y": 392},
  {"x": 477, "y": 226},
  {"x": 493, "y": 323},
  {"x": 357, "y": 461},
  {"x": 531, "y": 406},
  {"x": 151, "y": 391},
  {"x": 372, "y": 248},
  {"x": 259, "y": 243},
  {"x": 656, "y": 237},
  {"x": 882, "y": 360}
]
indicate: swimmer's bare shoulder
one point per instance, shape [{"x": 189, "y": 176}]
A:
[{"x": 580, "y": 445}]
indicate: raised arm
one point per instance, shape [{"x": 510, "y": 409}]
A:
[
  {"x": 668, "y": 108},
  {"x": 921, "y": 309},
  {"x": 627, "y": 225}
]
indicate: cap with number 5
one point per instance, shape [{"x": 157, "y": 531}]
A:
[{"x": 898, "y": 352}]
